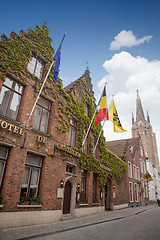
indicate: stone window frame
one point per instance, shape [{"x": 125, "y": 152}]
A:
[
  {"x": 144, "y": 167},
  {"x": 143, "y": 187},
  {"x": 146, "y": 188},
  {"x": 31, "y": 167},
  {"x": 131, "y": 191},
  {"x": 138, "y": 173},
  {"x": 11, "y": 95},
  {"x": 134, "y": 171},
  {"x": 136, "y": 192},
  {"x": 141, "y": 165},
  {"x": 129, "y": 169}
]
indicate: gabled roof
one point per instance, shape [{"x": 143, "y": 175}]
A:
[
  {"x": 86, "y": 77},
  {"x": 119, "y": 147}
]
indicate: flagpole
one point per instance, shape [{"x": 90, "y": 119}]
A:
[
  {"x": 89, "y": 128},
  {"x": 39, "y": 93},
  {"x": 98, "y": 137},
  {"x": 26, "y": 124},
  {"x": 90, "y": 124}
]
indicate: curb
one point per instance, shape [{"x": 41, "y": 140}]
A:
[{"x": 80, "y": 226}]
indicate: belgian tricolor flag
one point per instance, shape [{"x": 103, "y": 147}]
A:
[{"x": 103, "y": 110}]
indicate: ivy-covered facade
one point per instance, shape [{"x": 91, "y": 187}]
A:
[{"x": 45, "y": 171}]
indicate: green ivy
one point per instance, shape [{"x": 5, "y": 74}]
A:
[
  {"x": 76, "y": 106},
  {"x": 15, "y": 53}
]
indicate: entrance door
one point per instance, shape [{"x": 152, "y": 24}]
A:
[
  {"x": 67, "y": 198},
  {"x": 107, "y": 197}
]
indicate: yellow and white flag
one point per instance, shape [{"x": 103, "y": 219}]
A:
[
  {"x": 113, "y": 116},
  {"x": 148, "y": 177}
]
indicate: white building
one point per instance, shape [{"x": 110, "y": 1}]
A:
[{"x": 154, "y": 185}]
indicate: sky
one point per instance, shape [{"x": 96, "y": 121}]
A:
[{"x": 118, "y": 40}]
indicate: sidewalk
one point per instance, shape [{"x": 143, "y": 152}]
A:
[{"x": 30, "y": 232}]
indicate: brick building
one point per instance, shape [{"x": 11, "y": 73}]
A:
[
  {"x": 44, "y": 172},
  {"x": 142, "y": 127},
  {"x": 132, "y": 152}
]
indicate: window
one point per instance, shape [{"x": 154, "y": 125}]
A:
[
  {"x": 94, "y": 143},
  {"x": 85, "y": 143},
  {"x": 141, "y": 150},
  {"x": 139, "y": 193},
  {"x": 143, "y": 190},
  {"x": 129, "y": 170},
  {"x": 146, "y": 188},
  {"x": 83, "y": 183},
  {"x": 130, "y": 192},
  {"x": 35, "y": 66},
  {"x": 144, "y": 167},
  {"x": 138, "y": 174},
  {"x": 134, "y": 172},
  {"x": 3, "y": 160},
  {"x": 70, "y": 169},
  {"x": 87, "y": 110},
  {"x": 41, "y": 115},
  {"x": 131, "y": 149},
  {"x": 31, "y": 176},
  {"x": 141, "y": 165},
  {"x": 136, "y": 192},
  {"x": 94, "y": 186},
  {"x": 10, "y": 98},
  {"x": 72, "y": 133}
]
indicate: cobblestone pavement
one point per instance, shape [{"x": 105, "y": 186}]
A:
[{"x": 30, "y": 232}]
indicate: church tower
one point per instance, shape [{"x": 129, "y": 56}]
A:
[{"x": 142, "y": 127}]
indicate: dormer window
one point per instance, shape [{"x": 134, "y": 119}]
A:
[
  {"x": 72, "y": 132},
  {"x": 35, "y": 66},
  {"x": 131, "y": 149},
  {"x": 87, "y": 110}
]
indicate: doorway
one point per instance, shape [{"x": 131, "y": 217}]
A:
[
  {"x": 67, "y": 198},
  {"x": 108, "y": 196}
]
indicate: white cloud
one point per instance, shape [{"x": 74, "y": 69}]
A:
[
  {"x": 127, "y": 39},
  {"x": 126, "y": 74}
]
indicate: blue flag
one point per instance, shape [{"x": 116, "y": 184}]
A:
[{"x": 57, "y": 58}]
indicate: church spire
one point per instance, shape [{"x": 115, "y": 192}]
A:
[
  {"x": 132, "y": 118},
  {"x": 148, "y": 118},
  {"x": 139, "y": 109}
]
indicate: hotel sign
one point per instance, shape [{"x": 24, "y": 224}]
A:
[
  {"x": 68, "y": 150},
  {"x": 11, "y": 127},
  {"x": 18, "y": 130},
  {"x": 41, "y": 139}
]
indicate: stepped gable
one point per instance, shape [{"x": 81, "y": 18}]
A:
[
  {"x": 80, "y": 83},
  {"x": 133, "y": 144},
  {"x": 119, "y": 147}
]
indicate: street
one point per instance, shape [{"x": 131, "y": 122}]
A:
[
  {"x": 138, "y": 223},
  {"x": 142, "y": 226}
]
